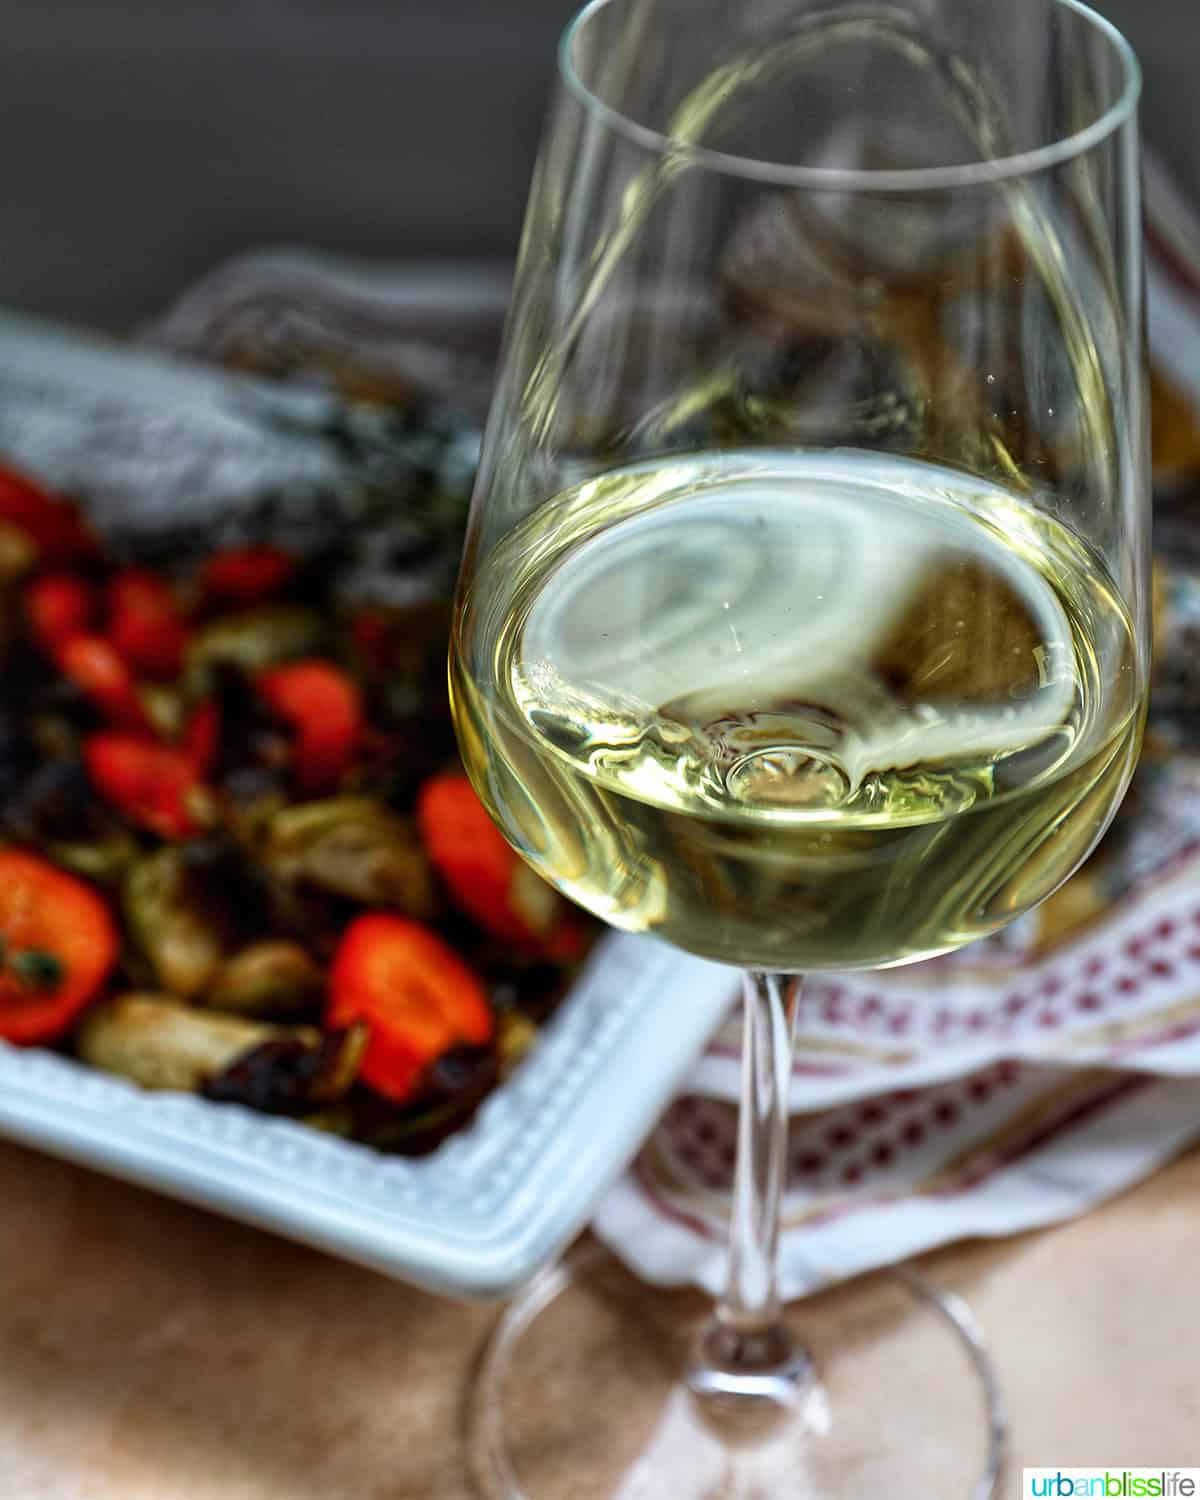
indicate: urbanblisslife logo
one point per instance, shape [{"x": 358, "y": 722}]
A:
[{"x": 1114, "y": 1484}]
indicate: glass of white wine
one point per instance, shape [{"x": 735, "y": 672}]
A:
[{"x": 803, "y": 621}]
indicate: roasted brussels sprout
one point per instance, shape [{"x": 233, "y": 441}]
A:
[
  {"x": 182, "y": 941},
  {"x": 161, "y": 1044},
  {"x": 274, "y": 978},
  {"x": 353, "y": 847},
  {"x": 257, "y": 639},
  {"x": 292, "y": 1075}
]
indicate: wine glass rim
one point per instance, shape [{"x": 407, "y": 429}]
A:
[{"x": 862, "y": 179}]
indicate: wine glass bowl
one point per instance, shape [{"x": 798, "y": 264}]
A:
[
  {"x": 803, "y": 621},
  {"x": 744, "y": 699}
]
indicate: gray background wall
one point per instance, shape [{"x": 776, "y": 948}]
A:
[{"x": 141, "y": 141}]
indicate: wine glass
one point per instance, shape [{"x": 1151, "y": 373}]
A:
[{"x": 803, "y": 622}]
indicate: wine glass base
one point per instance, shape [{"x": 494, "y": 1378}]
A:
[{"x": 588, "y": 1391}]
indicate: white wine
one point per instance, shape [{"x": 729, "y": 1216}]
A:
[{"x": 798, "y": 710}]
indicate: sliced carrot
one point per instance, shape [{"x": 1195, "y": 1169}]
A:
[
  {"x": 58, "y": 606},
  {"x": 57, "y": 946},
  {"x": 322, "y": 705},
  {"x": 484, "y": 876},
  {"x": 246, "y": 575},
  {"x": 54, "y": 525},
  {"x": 152, "y": 785},
  {"x": 145, "y": 625},
  {"x": 417, "y": 996},
  {"x": 93, "y": 665}
]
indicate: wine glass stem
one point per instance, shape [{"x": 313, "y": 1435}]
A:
[
  {"x": 747, "y": 1340},
  {"x": 751, "y": 1301}
]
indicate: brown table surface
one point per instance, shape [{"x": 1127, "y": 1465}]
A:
[{"x": 149, "y": 1351}]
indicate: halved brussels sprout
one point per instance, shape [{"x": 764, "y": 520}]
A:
[
  {"x": 257, "y": 639},
  {"x": 354, "y": 847},
  {"x": 273, "y": 978},
  {"x": 183, "y": 942},
  {"x": 161, "y": 1044}
]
